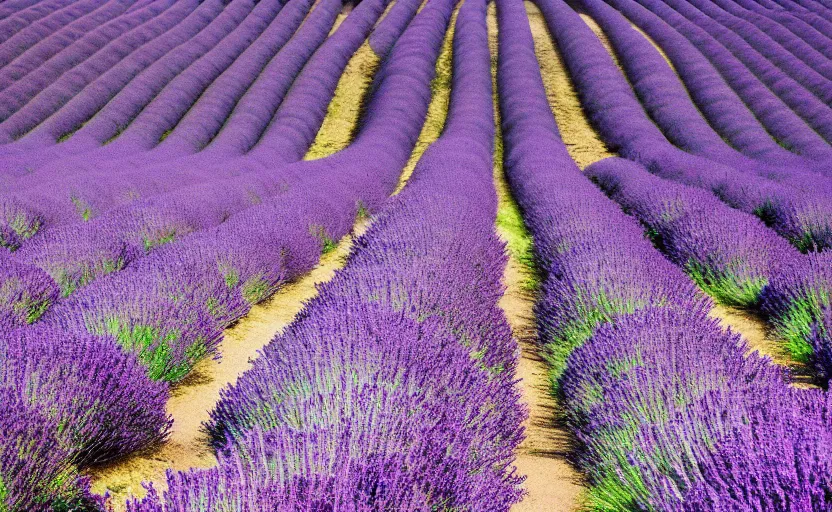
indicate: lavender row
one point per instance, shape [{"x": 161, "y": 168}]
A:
[
  {"x": 105, "y": 184},
  {"x": 771, "y": 108},
  {"x": 20, "y": 84},
  {"x": 673, "y": 416},
  {"x": 412, "y": 405},
  {"x": 38, "y": 101},
  {"x": 812, "y": 76},
  {"x": 46, "y": 53},
  {"x": 131, "y": 99},
  {"x": 171, "y": 306},
  {"x": 177, "y": 97},
  {"x": 804, "y": 218},
  {"x": 384, "y": 37},
  {"x": 204, "y": 119},
  {"x": 717, "y": 101},
  {"x": 101, "y": 124},
  {"x": 16, "y": 15},
  {"x": 76, "y": 256},
  {"x": 89, "y": 100},
  {"x": 810, "y": 46},
  {"x": 668, "y": 412},
  {"x": 665, "y": 99},
  {"x": 41, "y": 30},
  {"x": 732, "y": 256}
]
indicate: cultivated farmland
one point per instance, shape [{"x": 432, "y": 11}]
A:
[{"x": 415, "y": 255}]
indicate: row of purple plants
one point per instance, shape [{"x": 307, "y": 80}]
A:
[
  {"x": 411, "y": 405},
  {"x": 668, "y": 411},
  {"x": 732, "y": 256},
  {"x": 804, "y": 217},
  {"x": 83, "y": 411}
]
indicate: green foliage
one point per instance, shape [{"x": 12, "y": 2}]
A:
[
  {"x": 327, "y": 244},
  {"x": 795, "y": 326},
  {"x": 726, "y": 287}
]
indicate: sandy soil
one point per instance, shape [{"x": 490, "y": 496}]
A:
[
  {"x": 583, "y": 142},
  {"x": 552, "y": 483}
]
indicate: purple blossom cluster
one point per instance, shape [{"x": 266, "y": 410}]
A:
[
  {"x": 800, "y": 213},
  {"x": 730, "y": 254},
  {"x": 668, "y": 410},
  {"x": 411, "y": 405},
  {"x": 130, "y": 301}
]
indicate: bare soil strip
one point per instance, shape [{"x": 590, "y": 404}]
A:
[
  {"x": 552, "y": 483},
  {"x": 753, "y": 327}
]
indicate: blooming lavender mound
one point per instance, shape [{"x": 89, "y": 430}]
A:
[
  {"x": 35, "y": 470},
  {"x": 105, "y": 405},
  {"x": 672, "y": 415},
  {"x": 797, "y": 300},
  {"x": 25, "y": 293},
  {"x": 730, "y": 254},
  {"x": 596, "y": 261},
  {"x": 411, "y": 404}
]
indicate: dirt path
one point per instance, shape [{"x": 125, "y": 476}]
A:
[
  {"x": 753, "y": 327},
  {"x": 552, "y": 483}
]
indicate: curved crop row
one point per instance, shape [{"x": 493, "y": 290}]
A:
[
  {"x": 50, "y": 26},
  {"x": 802, "y": 217},
  {"x": 808, "y": 45},
  {"x": 813, "y": 76},
  {"x": 49, "y": 54},
  {"x": 713, "y": 96},
  {"x": 20, "y": 85},
  {"x": 129, "y": 102},
  {"x": 15, "y": 16},
  {"x": 412, "y": 405},
  {"x": 104, "y": 184},
  {"x": 732, "y": 256},
  {"x": 172, "y": 305},
  {"x": 92, "y": 119},
  {"x": 669, "y": 412},
  {"x": 42, "y": 130},
  {"x": 179, "y": 95},
  {"x": 76, "y": 256},
  {"x": 210, "y": 111},
  {"x": 777, "y": 115},
  {"x": 665, "y": 99},
  {"x": 46, "y": 100},
  {"x": 384, "y": 36}
]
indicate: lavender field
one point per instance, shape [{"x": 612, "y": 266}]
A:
[{"x": 415, "y": 255}]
